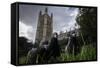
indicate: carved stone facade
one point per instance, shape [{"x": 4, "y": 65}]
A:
[
  {"x": 62, "y": 35},
  {"x": 44, "y": 26}
]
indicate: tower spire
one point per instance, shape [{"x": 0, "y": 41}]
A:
[
  {"x": 51, "y": 15},
  {"x": 46, "y": 10},
  {"x": 40, "y": 12}
]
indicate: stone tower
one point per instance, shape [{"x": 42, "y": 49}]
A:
[{"x": 44, "y": 26}]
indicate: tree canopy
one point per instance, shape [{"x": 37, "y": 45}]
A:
[{"x": 87, "y": 20}]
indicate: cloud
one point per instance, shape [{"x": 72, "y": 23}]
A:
[
  {"x": 64, "y": 18},
  {"x": 26, "y": 31}
]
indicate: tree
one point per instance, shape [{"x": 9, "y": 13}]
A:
[
  {"x": 87, "y": 20},
  {"x": 23, "y": 46}
]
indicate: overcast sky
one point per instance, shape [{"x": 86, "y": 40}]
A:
[{"x": 63, "y": 19}]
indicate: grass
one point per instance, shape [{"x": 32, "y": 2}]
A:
[
  {"x": 22, "y": 60},
  {"x": 88, "y": 52}
]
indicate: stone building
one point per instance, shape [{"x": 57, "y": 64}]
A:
[
  {"x": 62, "y": 35},
  {"x": 44, "y": 26},
  {"x": 65, "y": 35}
]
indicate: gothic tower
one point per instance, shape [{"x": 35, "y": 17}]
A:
[{"x": 44, "y": 26}]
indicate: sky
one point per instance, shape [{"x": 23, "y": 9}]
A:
[{"x": 63, "y": 19}]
